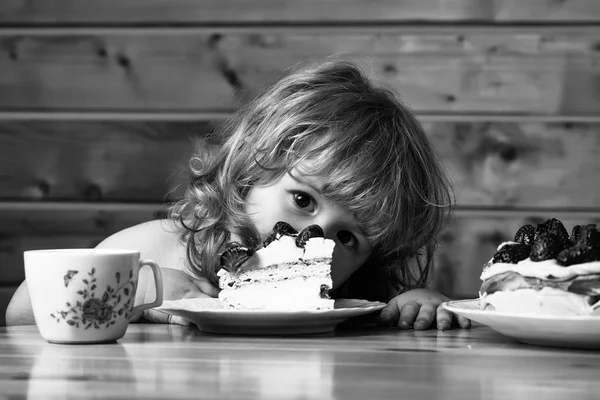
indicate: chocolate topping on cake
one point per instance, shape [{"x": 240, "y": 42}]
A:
[
  {"x": 281, "y": 228},
  {"x": 234, "y": 256},
  {"x": 324, "y": 292},
  {"x": 311, "y": 231}
]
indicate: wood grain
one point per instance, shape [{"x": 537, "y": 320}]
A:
[
  {"x": 12, "y": 247},
  {"x": 96, "y": 161},
  {"x": 498, "y": 164},
  {"x": 541, "y": 73},
  {"x": 306, "y": 11},
  {"x": 175, "y": 362},
  {"x": 547, "y": 165},
  {"x": 63, "y": 218}
]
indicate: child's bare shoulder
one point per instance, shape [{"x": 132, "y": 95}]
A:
[{"x": 156, "y": 240}]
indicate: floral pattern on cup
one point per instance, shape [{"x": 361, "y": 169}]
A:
[{"x": 92, "y": 311}]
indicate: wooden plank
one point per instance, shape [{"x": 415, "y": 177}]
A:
[
  {"x": 212, "y": 12},
  {"x": 176, "y": 116},
  {"x": 492, "y": 72},
  {"x": 100, "y": 161},
  {"x": 12, "y": 270},
  {"x": 88, "y": 219},
  {"x": 498, "y": 164},
  {"x": 145, "y": 116},
  {"x": 470, "y": 241},
  {"x": 550, "y": 165},
  {"x": 546, "y": 10}
]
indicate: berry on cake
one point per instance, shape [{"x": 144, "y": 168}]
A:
[
  {"x": 545, "y": 271},
  {"x": 291, "y": 271}
]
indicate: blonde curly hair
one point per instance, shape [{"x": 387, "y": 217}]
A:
[{"x": 369, "y": 149}]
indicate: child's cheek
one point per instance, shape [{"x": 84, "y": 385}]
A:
[{"x": 343, "y": 266}]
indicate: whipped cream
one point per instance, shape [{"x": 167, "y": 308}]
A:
[
  {"x": 547, "y": 301},
  {"x": 547, "y": 269},
  {"x": 284, "y": 250},
  {"x": 290, "y": 295}
]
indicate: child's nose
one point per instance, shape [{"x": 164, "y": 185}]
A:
[{"x": 329, "y": 231}]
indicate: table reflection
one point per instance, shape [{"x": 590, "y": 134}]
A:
[
  {"x": 73, "y": 371},
  {"x": 155, "y": 361},
  {"x": 306, "y": 375},
  {"x": 264, "y": 373}
]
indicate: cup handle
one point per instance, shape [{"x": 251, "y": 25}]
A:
[{"x": 158, "y": 284}]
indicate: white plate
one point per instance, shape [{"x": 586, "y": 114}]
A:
[
  {"x": 571, "y": 331},
  {"x": 210, "y": 316}
]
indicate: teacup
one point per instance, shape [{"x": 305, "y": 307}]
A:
[{"x": 86, "y": 295}]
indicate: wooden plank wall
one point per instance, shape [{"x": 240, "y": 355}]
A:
[{"x": 103, "y": 101}]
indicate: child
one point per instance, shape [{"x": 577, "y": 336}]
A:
[{"x": 322, "y": 146}]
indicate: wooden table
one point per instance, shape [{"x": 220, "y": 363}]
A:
[{"x": 366, "y": 363}]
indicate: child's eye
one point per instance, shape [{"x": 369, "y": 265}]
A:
[
  {"x": 347, "y": 239},
  {"x": 303, "y": 200}
]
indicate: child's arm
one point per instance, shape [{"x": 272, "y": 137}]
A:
[
  {"x": 419, "y": 308},
  {"x": 19, "y": 310},
  {"x": 156, "y": 241},
  {"x": 176, "y": 285}
]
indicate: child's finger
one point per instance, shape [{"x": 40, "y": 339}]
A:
[
  {"x": 389, "y": 315},
  {"x": 206, "y": 287},
  {"x": 425, "y": 317},
  {"x": 160, "y": 317},
  {"x": 156, "y": 316},
  {"x": 443, "y": 318},
  {"x": 177, "y": 320},
  {"x": 463, "y": 322},
  {"x": 408, "y": 314}
]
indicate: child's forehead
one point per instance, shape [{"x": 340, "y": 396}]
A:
[{"x": 303, "y": 174}]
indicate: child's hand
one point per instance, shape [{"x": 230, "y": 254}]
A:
[
  {"x": 419, "y": 308},
  {"x": 176, "y": 285}
]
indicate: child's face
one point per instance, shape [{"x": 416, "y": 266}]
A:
[{"x": 297, "y": 200}]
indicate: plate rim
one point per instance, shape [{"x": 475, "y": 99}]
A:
[
  {"x": 448, "y": 305},
  {"x": 263, "y": 322},
  {"x": 372, "y": 307}
]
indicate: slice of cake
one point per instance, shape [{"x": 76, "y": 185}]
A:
[
  {"x": 544, "y": 271},
  {"x": 290, "y": 272}
]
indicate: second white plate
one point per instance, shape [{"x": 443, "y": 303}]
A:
[{"x": 572, "y": 331}]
